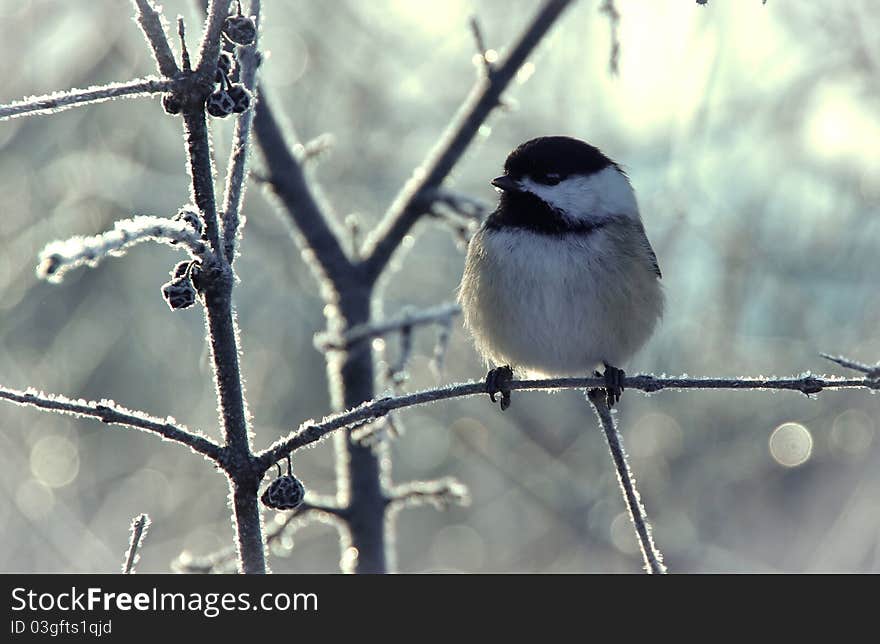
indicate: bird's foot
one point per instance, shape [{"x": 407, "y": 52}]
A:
[
  {"x": 613, "y": 383},
  {"x": 498, "y": 382}
]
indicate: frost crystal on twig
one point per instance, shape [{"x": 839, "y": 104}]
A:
[
  {"x": 869, "y": 371},
  {"x": 139, "y": 527},
  {"x": 59, "y": 101},
  {"x": 441, "y": 494},
  {"x": 61, "y": 256}
]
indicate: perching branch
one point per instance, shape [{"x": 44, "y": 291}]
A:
[
  {"x": 58, "y": 257},
  {"x": 60, "y": 101},
  {"x": 109, "y": 412},
  {"x": 151, "y": 22},
  {"x": 409, "y": 205},
  {"x": 248, "y": 60},
  {"x": 310, "y": 432},
  {"x": 139, "y": 527},
  {"x": 652, "y": 556}
]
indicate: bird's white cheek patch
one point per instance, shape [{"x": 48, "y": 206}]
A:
[{"x": 588, "y": 198}]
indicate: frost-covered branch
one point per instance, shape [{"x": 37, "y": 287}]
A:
[
  {"x": 58, "y": 257},
  {"x": 248, "y": 60},
  {"x": 310, "y": 431},
  {"x": 139, "y": 527},
  {"x": 440, "y": 314},
  {"x": 440, "y": 494},
  {"x": 409, "y": 206},
  {"x": 651, "y": 555},
  {"x": 152, "y": 23},
  {"x": 209, "y": 48},
  {"x": 870, "y": 372},
  {"x": 111, "y": 413},
  {"x": 59, "y": 101}
]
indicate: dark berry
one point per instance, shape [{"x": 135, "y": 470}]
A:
[
  {"x": 179, "y": 293},
  {"x": 240, "y": 97},
  {"x": 240, "y": 29},
  {"x": 171, "y": 104},
  {"x": 220, "y": 104},
  {"x": 284, "y": 493}
]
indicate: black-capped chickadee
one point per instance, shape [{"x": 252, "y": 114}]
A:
[{"x": 561, "y": 277}]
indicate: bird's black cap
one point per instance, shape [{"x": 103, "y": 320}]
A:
[{"x": 559, "y": 155}]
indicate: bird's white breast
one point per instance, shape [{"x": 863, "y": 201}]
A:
[{"x": 559, "y": 304}]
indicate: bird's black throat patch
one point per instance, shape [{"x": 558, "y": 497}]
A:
[{"x": 526, "y": 211}]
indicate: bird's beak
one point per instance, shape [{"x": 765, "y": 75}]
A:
[{"x": 505, "y": 183}]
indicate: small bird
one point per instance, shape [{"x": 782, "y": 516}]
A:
[{"x": 561, "y": 277}]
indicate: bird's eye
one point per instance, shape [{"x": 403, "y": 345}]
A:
[{"x": 550, "y": 179}]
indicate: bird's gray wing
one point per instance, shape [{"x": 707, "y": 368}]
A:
[{"x": 651, "y": 254}]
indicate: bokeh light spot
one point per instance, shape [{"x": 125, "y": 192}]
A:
[
  {"x": 852, "y": 433},
  {"x": 54, "y": 461},
  {"x": 349, "y": 558},
  {"x": 791, "y": 444}
]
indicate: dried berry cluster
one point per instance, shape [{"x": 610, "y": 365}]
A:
[
  {"x": 228, "y": 97},
  {"x": 231, "y": 97},
  {"x": 180, "y": 292}
]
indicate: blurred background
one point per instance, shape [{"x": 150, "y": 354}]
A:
[{"x": 751, "y": 135}]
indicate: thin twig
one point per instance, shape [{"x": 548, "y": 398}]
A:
[
  {"x": 314, "y": 148},
  {"x": 209, "y": 49},
  {"x": 310, "y": 432},
  {"x": 139, "y": 527},
  {"x": 111, "y": 413},
  {"x": 441, "y": 348},
  {"x": 480, "y": 42},
  {"x": 151, "y": 21},
  {"x": 609, "y": 9},
  {"x": 408, "y": 319},
  {"x": 409, "y": 205},
  {"x": 459, "y": 204},
  {"x": 440, "y": 493},
  {"x": 59, "y": 101},
  {"x": 320, "y": 507},
  {"x": 652, "y": 556},
  {"x": 871, "y": 372},
  {"x": 248, "y": 61}
]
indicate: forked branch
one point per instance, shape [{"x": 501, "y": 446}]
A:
[{"x": 414, "y": 200}]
